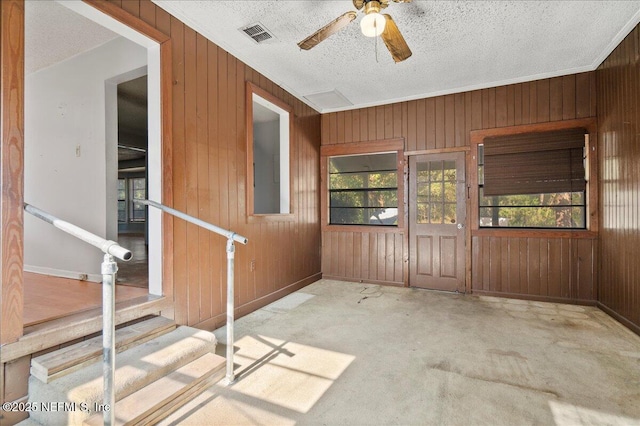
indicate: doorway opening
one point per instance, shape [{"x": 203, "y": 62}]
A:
[
  {"x": 132, "y": 180},
  {"x": 72, "y": 154}
]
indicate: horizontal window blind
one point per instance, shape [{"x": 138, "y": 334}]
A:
[{"x": 534, "y": 163}]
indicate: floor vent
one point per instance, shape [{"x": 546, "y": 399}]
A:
[{"x": 257, "y": 32}]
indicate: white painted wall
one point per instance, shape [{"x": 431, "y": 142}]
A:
[
  {"x": 266, "y": 154},
  {"x": 65, "y": 110}
]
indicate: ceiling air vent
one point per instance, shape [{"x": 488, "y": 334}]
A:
[{"x": 257, "y": 32}]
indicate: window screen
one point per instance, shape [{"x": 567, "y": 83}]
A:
[
  {"x": 534, "y": 180},
  {"x": 363, "y": 190}
]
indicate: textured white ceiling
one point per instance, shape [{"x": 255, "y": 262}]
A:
[
  {"x": 457, "y": 45},
  {"x": 54, "y": 33}
]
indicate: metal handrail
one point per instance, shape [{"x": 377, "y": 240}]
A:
[
  {"x": 231, "y": 237},
  {"x": 107, "y": 246},
  {"x": 109, "y": 268}
]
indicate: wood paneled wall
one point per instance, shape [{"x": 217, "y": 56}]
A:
[
  {"x": 209, "y": 181},
  {"x": 445, "y": 123},
  {"x": 619, "y": 138},
  {"x": 550, "y": 268}
]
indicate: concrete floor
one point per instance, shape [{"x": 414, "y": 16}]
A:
[{"x": 338, "y": 353}]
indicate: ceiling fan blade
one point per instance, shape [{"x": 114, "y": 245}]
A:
[
  {"x": 328, "y": 30},
  {"x": 395, "y": 41}
]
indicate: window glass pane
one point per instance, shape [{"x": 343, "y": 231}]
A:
[
  {"x": 450, "y": 213},
  {"x": 122, "y": 211},
  {"x": 422, "y": 213},
  {"x": 435, "y": 213},
  {"x": 122, "y": 189},
  {"x": 450, "y": 171},
  {"x": 435, "y": 172},
  {"x": 450, "y": 192},
  {"x": 436, "y": 192},
  {"x": 363, "y": 216},
  {"x": 137, "y": 211},
  {"x": 363, "y": 189},
  {"x": 363, "y": 180},
  {"x": 532, "y": 217}
]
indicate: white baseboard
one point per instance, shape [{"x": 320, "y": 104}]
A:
[{"x": 96, "y": 278}]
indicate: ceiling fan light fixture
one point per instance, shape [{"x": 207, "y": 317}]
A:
[{"x": 372, "y": 24}]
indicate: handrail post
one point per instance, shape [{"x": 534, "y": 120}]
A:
[
  {"x": 109, "y": 270},
  {"x": 230, "y": 308}
]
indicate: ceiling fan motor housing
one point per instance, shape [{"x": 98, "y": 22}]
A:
[{"x": 372, "y": 6}]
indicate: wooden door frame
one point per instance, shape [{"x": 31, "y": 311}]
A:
[
  {"x": 12, "y": 178},
  {"x": 12, "y": 158}
]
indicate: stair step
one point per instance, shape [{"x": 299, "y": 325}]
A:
[
  {"x": 162, "y": 397},
  {"x": 59, "y": 363},
  {"x": 136, "y": 368}
]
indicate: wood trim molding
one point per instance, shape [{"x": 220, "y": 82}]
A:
[
  {"x": 12, "y": 168},
  {"x": 623, "y": 320},
  {"x": 250, "y": 89},
  {"x": 436, "y": 151},
  {"x": 534, "y": 297},
  {"x": 124, "y": 17},
  {"x": 395, "y": 144},
  {"x": 247, "y": 308},
  {"x": 166, "y": 115},
  {"x": 375, "y": 147},
  {"x": 357, "y": 280},
  {"x": 477, "y": 136}
]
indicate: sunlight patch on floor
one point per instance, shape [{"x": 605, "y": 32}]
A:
[
  {"x": 568, "y": 414},
  {"x": 287, "y": 374}
]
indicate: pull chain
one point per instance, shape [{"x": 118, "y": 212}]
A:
[{"x": 375, "y": 26}]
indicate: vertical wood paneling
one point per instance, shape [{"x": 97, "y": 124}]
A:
[
  {"x": 556, "y": 97},
  {"x": 618, "y": 105},
  {"x": 209, "y": 178},
  {"x": 131, "y": 6},
  {"x": 148, "y": 12},
  {"x": 537, "y": 267},
  {"x": 372, "y": 256},
  {"x": 202, "y": 161},
  {"x": 179, "y": 165},
  {"x": 191, "y": 170},
  {"x": 529, "y": 266}
]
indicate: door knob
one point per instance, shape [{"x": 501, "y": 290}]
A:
[{"x": 460, "y": 225}]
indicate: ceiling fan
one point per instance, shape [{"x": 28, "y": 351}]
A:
[{"x": 373, "y": 24}]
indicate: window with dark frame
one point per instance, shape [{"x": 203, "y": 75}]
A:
[
  {"x": 534, "y": 180},
  {"x": 122, "y": 200},
  {"x": 137, "y": 190},
  {"x": 363, "y": 190},
  {"x": 130, "y": 189}
]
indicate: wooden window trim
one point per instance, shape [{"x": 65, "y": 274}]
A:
[
  {"x": 477, "y": 138},
  {"x": 275, "y": 217},
  {"x": 356, "y": 148}
]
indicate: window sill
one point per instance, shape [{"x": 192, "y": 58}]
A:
[
  {"x": 368, "y": 229},
  {"x": 270, "y": 218},
  {"x": 536, "y": 233}
]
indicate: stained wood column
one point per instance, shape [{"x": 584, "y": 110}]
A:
[{"x": 11, "y": 167}]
